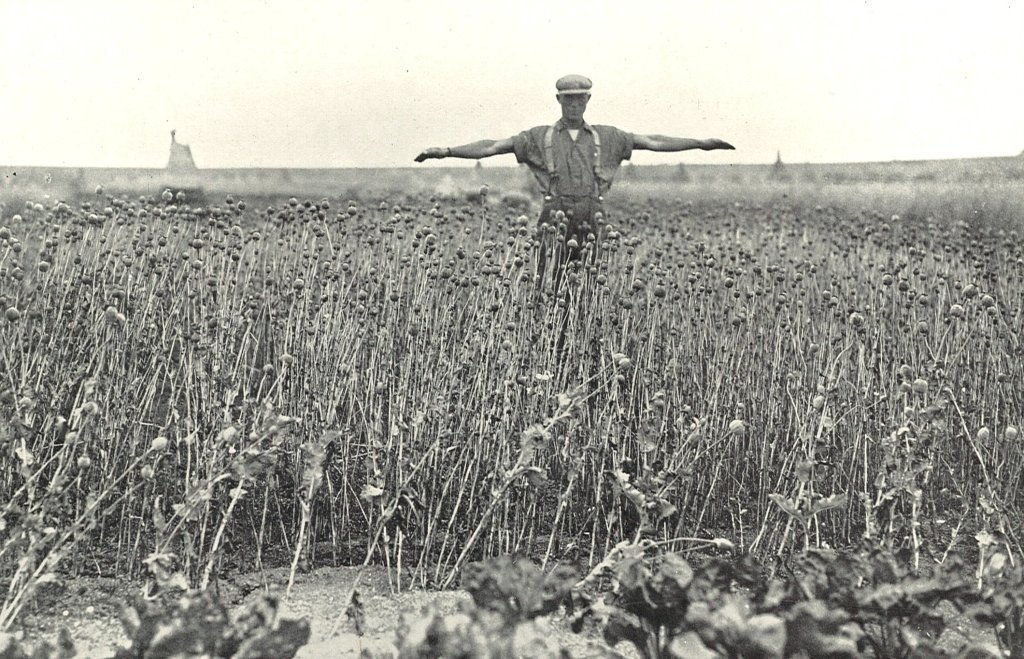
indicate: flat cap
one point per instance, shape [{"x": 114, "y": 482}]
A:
[{"x": 573, "y": 84}]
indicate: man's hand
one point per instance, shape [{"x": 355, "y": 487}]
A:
[
  {"x": 713, "y": 143},
  {"x": 432, "y": 152}
]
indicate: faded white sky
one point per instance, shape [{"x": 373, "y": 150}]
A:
[{"x": 351, "y": 84}]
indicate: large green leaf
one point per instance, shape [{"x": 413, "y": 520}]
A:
[
  {"x": 626, "y": 626},
  {"x": 828, "y": 503},
  {"x": 787, "y": 505},
  {"x": 763, "y": 637},
  {"x": 814, "y": 630}
]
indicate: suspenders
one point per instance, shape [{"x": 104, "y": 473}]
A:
[{"x": 549, "y": 157}]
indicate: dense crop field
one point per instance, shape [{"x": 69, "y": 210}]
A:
[{"x": 296, "y": 382}]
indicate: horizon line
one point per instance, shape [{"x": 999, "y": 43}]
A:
[{"x": 473, "y": 163}]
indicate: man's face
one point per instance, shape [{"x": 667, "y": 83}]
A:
[{"x": 573, "y": 105}]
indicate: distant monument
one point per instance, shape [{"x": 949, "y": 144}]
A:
[
  {"x": 180, "y": 159},
  {"x": 778, "y": 171},
  {"x": 181, "y": 175}
]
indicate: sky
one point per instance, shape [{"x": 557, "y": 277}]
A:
[{"x": 268, "y": 83}]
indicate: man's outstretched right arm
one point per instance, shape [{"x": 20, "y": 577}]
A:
[{"x": 472, "y": 151}]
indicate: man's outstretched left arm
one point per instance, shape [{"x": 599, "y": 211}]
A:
[{"x": 665, "y": 143}]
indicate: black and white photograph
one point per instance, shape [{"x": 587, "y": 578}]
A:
[{"x": 529, "y": 329}]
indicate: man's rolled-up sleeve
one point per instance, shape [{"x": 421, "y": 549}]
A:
[
  {"x": 522, "y": 145},
  {"x": 626, "y": 144}
]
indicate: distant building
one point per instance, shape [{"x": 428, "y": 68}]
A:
[{"x": 180, "y": 159}]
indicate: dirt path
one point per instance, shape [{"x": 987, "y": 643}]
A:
[{"x": 89, "y": 609}]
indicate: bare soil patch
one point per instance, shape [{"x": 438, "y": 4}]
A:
[{"x": 89, "y": 608}]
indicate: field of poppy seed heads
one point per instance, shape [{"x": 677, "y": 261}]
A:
[{"x": 187, "y": 391}]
